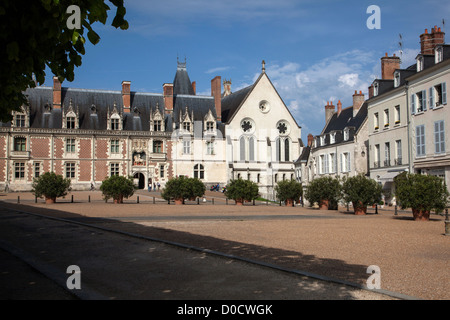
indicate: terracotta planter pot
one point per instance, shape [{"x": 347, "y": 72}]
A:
[
  {"x": 323, "y": 205},
  {"x": 239, "y": 202},
  {"x": 178, "y": 201},
  {"x": 360, "y": 211},
  {"x": 118, "y": 200},
  {"x": 421, "y": 215},
  {"x": 289, "y": 203},
  {"x": 50, "y": 200}
]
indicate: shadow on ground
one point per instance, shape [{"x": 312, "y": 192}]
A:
[{"x": 331, "y": 268}]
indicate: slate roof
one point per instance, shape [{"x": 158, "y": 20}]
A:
[
  {"x": 182, "y": 84},
  {"x": 231, "y": 103}
]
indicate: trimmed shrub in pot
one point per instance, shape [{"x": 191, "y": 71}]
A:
[
  {"x": 323, "y": 190},
  {"x": 181, "y": 188},
  {"x": 289, "y": 191},
  {"x": 361, "y": 192},
  {"x": 242, "y": 190},
  {"x": 50, "y": 186},
  {"x": 421, "y": 193},
  {"x": 117, "y": 188}
]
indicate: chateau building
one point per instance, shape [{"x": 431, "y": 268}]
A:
[{"x": 87, "y": 135}]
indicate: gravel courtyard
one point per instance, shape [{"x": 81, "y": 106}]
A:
[{"x": 413, "y": 257}]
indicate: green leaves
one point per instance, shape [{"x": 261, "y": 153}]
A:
[
  {"x": 323, "y": 188},
  {"x": 288, "y": 189},
  {"x": 117, "y": 187},
  {"x": 242, "y": 190},
  {"x": 50, "y": 185},
  {"x": 35, "y": 35},
  {"x": 361, "y": 191},
  {"x": 183, "y": 188}
]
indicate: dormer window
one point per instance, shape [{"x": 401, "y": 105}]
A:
[
  {"x": 396, "y": 79},
  {"x": 70, "y": 122},
  {"x": 419, "y": 64},
  {"x": 210, "y": 126},
  {"x": 438, "y": 55},
  {"x": 322, "y": 140},
  {"x": 346, "y": 134},
  {"x": 375, "y": 89},
  {"x": 332, "y": 137},
  {"x": 19, "y": 120},
  {"x": 115, "y": 124},
  {"x": 187, "y": 126}
]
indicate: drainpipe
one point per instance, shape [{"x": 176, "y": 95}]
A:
[{"x": 409, "y": 135}]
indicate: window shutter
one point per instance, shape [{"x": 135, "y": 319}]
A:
[
  {"x": 444, "y": 93},
  {"x": 424, "y": 99},
  {"x": 423, "y": 139},
  {"x": 442, "y": 133},
  {"x": 348, "y": 162},
  {"x": 342, "y": 162},
  {"x": 431, "y": 92},
  {"x": 413, "y": 107},
  {"x": 437, "y": 144}
]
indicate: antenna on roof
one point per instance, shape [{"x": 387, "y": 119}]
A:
[
  {"x": 400, "y": 43},
  {"x": 443, "y": 25}
]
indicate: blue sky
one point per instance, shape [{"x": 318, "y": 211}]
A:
[{"x": 315, "y": 51}]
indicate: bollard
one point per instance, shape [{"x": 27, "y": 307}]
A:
[
  {"x": 198, "y": 200},
  {"x": 18, "y": 199},
  {"x": 71, "y": 200},
  {"x": 212, "y": 200},
  {"x": 89, "y": 198},
  {"x": 35, "y": 199},
  {"x": 376, "y": 208},
  {"x": 348, "y": 209},
  {"x": 153, "y": 200},
  {"x": 447, "y": 223},
  {"x": 226, "y": 201},
  {"x": 267, "y": 202},
  {"x": 395, "y": 210},
  {"x": 253, "y": 201},
  {"x": 137, "y": 200}
]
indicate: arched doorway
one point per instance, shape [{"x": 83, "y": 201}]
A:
[{"x": 141, "y": 177}]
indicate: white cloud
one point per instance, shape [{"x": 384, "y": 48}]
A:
[
  {"x": 306, "y": 90},
  {"x": 218, "y": 69}
]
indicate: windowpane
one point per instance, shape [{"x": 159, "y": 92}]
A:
[
  {"x": 19, "y": 170},
  {"x": 439, "y": 136},
  {"x": 20, "y": 144}
]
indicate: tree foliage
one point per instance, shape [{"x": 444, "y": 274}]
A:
[
  {"x": 51, "y": 186},
  {"x": 35, "y": 35},
  {"x": 117, "y": 188},
  {"x": 421, "y": 192},
  {"x": 361, "y": 191},
  {"x": 323, "y": 188},
  {"x": 288, "y": 189},
  {"x": 242, "y": 190},
  {"x": 181, "y": 188}
]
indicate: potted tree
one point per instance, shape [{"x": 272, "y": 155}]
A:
[
  {"x": 181, "y": 188},
  {"x": 50, "y": 186},
  {"x": 117, "y": 187},
  {"x": 361, "y": 192},
  {"x": 421, "y": 193},
  {"x": 242, "y": 190},
  {"x": 289, "y": 191},
  {"x": 324, "y": 190}
]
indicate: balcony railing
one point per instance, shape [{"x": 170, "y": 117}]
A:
[
  {"x": 376, "y": 164},
  {"x": 398, "y": 161},
  {"x": 387, "y": 163}
]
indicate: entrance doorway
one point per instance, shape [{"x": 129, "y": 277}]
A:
[{"x": 141, "y": 177}]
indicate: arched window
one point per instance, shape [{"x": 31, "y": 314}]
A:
[
  {"x": 278, "y": 147},
  {"x": 286, "y": 149},
  {"x": 242, "y": 148},
  {"x": 251, "y": 149},
  {"x": 199, "y": 171}
]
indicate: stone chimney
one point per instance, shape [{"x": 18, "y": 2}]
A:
[
  {"x": 168, "y": 97},
  {"x": 358, "y": 100},
  {"x": 339, "y": 107},
  {"x": 194, "y": 87},
  {"x": 226, "y": 87},
  {"x": 388, "y": 66},
  {"x": 126, "y": 97},
  {"x": 56, "y": 93},
  {"x": 217, "y": 94},
  {"x": 437, "y": 37},
  {"x": 329, "y": 111},
  {"x": 310, "y": 139}
]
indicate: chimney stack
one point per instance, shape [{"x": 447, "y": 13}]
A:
[
  {"x": 388, "y": 66},
  {"x": 56, "y": 93},
  {"x": 168, "y": 97},
  {"x": 310, "y": 139},
  {"x": 217, "y": 94},
  {"x": 126, "y": 96},
  {"x": 339, "y": 107},
  {"x": 428, "y": 41},
  {"x": 194, "y": 86},
  {"x": 329, "y": 111},
  {"x": 358, "y": 100}
]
